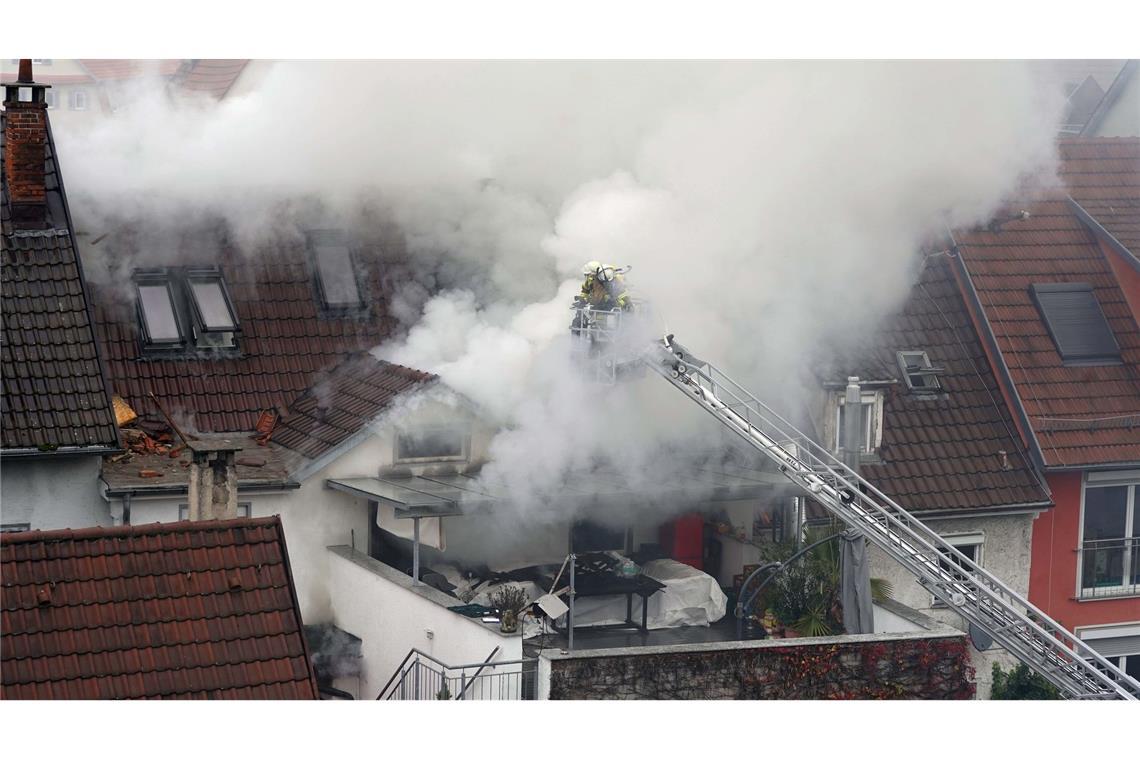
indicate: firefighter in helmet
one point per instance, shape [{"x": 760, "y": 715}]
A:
[{"x": 604, "y": 287}]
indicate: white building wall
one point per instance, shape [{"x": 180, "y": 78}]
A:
[
  {"x": 52, "y": 492},
  {"x": 391, "y": 616},
  {"x": 1005, "y": 553}
]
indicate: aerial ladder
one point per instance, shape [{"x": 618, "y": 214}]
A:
[{"x": 1077, "y": 670}]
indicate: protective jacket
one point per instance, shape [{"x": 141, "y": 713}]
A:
[{"x": 605, "y": 295}]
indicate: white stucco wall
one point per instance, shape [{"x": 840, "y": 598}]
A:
[
  {"x": 391, "y": 616},
  {"x": 52, "y": 492},
  {"x": 1005, "y": 553},
  {"x": 1123, "y": 119}
]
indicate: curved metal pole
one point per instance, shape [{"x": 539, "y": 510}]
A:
[{"x": 777, "y": 567}]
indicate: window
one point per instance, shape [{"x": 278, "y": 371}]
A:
[
  {"x": 872, "y": 429},
  {"x": 1119, "y": 644},
  {"x": 919, "y": 375},
  {"x": 15, "y": 527},
  {"x": 79, "y": 100},
  {"x": 1110, "y": 537},
  {"x": 336, "y": 273},
  {"x": 51, "y": 98},
  {"x": 431, "y": 444},
  {"x": 969, "y": 544},
  {"x": 243, "y": 510},
  {"x": 157, "y": 313},
  {"x": 1076, "y": 323},
  {"x": 185, "y": 308},
  {"x": 41, "y": 61}
]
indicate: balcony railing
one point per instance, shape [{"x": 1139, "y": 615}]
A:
[{"x": 1110, "y": 567}]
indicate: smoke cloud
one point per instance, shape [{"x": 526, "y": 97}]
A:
[{"x": 768, "y": 209}]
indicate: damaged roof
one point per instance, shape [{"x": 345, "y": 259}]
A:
[
  {"x": 1079, "y": 416},
  {"x": 342, "y": 403},
  {"x": 942, "y": 451},
  {"x": 211, "y": 76},
  {"x": 55, "y": 395},
  {"x": 285, "y": 342},
  {"x": 189, "y": 610}
]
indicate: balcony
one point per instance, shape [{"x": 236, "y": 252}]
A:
[{"x": 1110, "y": 568}]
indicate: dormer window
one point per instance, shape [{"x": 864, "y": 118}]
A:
[
  {"x": 185, "y": 310},
  {"x": 1076, "y": 323},
  {"x": 920, "y": 376},
  {"x": 871, "y": 428},
  {"x": 336, "y": 271}
]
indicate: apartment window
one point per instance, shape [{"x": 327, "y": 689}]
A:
[
  {"x": 1076, "y": 323},
  {"x": 41, "y": 61},
  {"x": 243, "y": 510},
  {"x": 871, "y": 432},
  {"x": 969, "y": 544},
  {"x": 158, "y": 315},
  {"x": 15, "y": 527},
  {"x": 1110, "y": 537},
  {"x": 432, "y": 444},
  {"x": 1119, "y": 644},
  {"x": 185, "y": 309},
  {"x": 920, "y": 376},
  {"x": 335, "y": 269},
  {"x": 78, "y": 100},
  {"x": 51, "y": 98}
]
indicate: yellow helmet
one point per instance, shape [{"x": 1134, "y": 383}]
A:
[{"x": 592, "y": 267}]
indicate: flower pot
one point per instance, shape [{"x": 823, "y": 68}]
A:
[{"x": 509, "y": 621}]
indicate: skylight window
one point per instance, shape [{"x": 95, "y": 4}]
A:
[
  {"x": 920, "y": 376},
  {"x": 1076, "y": 323},
  {"x": 157, "y": 312},
  {"x": 336, "y": 274},
  {"x": 211, "y": 303},
  {"x": 185, "y": 309}
]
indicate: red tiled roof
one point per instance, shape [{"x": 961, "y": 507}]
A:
[
  {"x": 203, "y": 610},
  {"x": 341, "y": 404},
  {"x": 1081, "y": 415},
  {"x": 941, "y": 452},
  {"x": 285, "y": 341},
  {"x": 1103, "y": 176},
  {"x": 54, "y": 391},
  {"x": 213, "y": 76},
  {"x": 128, "y": 68}
]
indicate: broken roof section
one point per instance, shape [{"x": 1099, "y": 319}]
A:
[
  {"x": 955, "y": 450},
  {"x": 1078, "y": 415},
  {"x": 55, "y": 395},
  {"x": 202, "y": 610},
  {"x": 340, "y": 405},
  {"x": 210, "y": 76}
]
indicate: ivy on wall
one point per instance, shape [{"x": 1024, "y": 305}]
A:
[{"x": 935, "y": 668}]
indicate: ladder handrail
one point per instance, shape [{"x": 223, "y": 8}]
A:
[{"x": 1059, "y": 656}]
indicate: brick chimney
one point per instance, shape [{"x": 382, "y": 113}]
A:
[
  {"x": 25, "y": 146},
  {"x": 213, "y": 479}
]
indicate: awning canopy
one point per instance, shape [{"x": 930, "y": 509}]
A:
[{"x": 419, "y": 496}]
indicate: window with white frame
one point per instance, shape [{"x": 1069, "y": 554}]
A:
[
  {"x": 871, "y": 432},
  {"x": 243, "y": 510},
  {"x": 78, "y": 100},
  {"x": 51, "y": 98},
  {"x": 15, "y": 527},
  {"x": 920, "y": 376},
  {"x": 1119, "y": 644},
  {"x": 432, "y": 444},
  {"x": 968, "y": 544},
  {"x": 1110, "y": 535}
]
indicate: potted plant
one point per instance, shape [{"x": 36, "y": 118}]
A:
[{"x": 509, "y": 600}]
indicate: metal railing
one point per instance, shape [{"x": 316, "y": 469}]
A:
[
  {"x": 1109, "y": 567},
  {"x": 422, "y": 677},
  {"x": 1025, "y": 631}
]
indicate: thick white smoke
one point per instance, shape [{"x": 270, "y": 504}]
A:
[{"x": 766, "y": 208}]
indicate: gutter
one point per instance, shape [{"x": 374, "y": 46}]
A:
[
  {"x": 58, "y": 451},
  {"x": 1103, "y": 234},
  {"x": 1009, "y": 509},
  {"x": 991, "y": 343},
  {"x": 183, "y": 489}
]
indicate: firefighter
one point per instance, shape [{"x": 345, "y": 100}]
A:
[{"x": 604, "y": 287}]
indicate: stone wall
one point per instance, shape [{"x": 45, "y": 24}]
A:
[{"x": 899, "y": 666}]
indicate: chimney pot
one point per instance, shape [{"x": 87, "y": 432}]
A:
[{"x": 25, "y": 75}]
